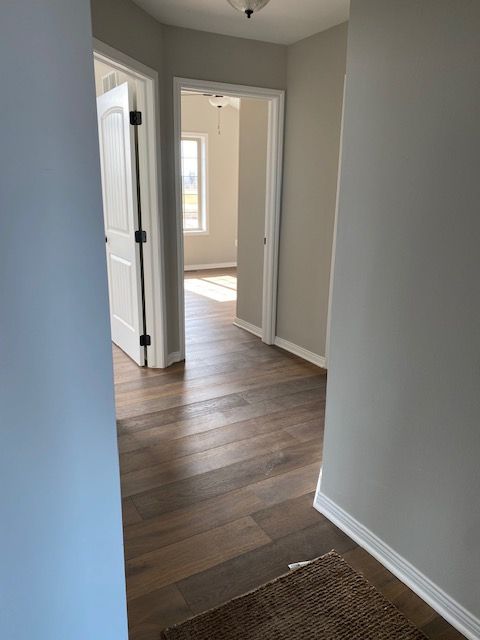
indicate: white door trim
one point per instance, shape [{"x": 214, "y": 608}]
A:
[
  {"x": 150, "y": 193},
  {"x": 276, "y": 117}
]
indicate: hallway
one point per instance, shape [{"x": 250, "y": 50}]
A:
[{"x": 219, "y": 462}]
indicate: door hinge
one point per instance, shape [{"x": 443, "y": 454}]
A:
[
  {"x": 145, "y": 340},
  {"x": 264, "y": 241},
  {"x": 140, "y": 236},
  {"x": 135, "y": 117}
]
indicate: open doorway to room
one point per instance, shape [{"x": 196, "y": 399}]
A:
[
  {"x": 229, "y": 146},
  {"x": 210, "y": 203}
]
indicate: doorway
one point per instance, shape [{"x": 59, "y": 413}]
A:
[
  {"x": 210, "y": 188},
  {"x": 193, "y": 201},
  {"x": 127, "y": 109}
]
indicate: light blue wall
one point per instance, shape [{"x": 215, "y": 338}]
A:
[{"x": 61, "y": 575}]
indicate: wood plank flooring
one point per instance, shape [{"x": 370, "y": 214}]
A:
[{"x": 219, "y": 461}]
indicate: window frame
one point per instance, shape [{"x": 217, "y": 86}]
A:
[{"x": 202, "y": 141}]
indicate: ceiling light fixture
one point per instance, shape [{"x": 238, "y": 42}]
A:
[
  {"x": 248, "y": 7},
  {"x": 219, "y": 102}
]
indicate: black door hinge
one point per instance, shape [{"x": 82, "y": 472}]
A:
[
  {"x": 264, "y": 241},
  {"x": 140, "y": 236},
  {"x": 135, "y": 117},
  {"x": 145, "y": 340}
]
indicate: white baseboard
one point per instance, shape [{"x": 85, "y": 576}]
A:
[
  {"x": 243, "y": 324},
  {"x": 445, "y": 605},
  {"x": 300, "y": 352},
  {"x": 174, "y": 357},
  {"x": 217, "y": 265}
]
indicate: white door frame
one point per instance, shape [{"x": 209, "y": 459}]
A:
[
  {"x": 146, "y": 80},
  {"x": 276, "y": 118}
]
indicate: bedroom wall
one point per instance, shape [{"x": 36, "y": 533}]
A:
[
  {"x": 251, "y": 209},
  {"x": 218, "y": 246}
]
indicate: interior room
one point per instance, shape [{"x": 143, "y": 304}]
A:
[
  {"x": 267, "y": 212},
  {"x": 224, "y": 181},
  {"x": 210, "y": 182},
  {"x": 210, "y": 139}
]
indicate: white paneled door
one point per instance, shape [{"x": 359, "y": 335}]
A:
[{"x": 120, "y": 209}]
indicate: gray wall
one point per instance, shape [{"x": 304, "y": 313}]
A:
[
  {"x": 402, "y": 441},
  {"x": 219, "y": 245},
  {"x": 60, "y": 529},
  {"x": 251, "y": 208},
  {"x": 126, "y": 27},
  {"x": 315, "y": 79}
]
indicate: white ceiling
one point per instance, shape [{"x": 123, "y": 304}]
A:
[{"x": 281, "y": 21}]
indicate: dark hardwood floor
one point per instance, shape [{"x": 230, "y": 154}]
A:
[{"x": 219, "y": 461}]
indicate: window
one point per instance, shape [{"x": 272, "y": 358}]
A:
[{"x": 194, "y": 183}]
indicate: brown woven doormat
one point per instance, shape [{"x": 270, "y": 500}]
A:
[{"x": 325, "y": 600}]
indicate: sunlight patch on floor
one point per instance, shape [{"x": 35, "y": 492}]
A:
[
  {"x": 218, "y": 288},
  {"x": 230, "y": 282}
]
